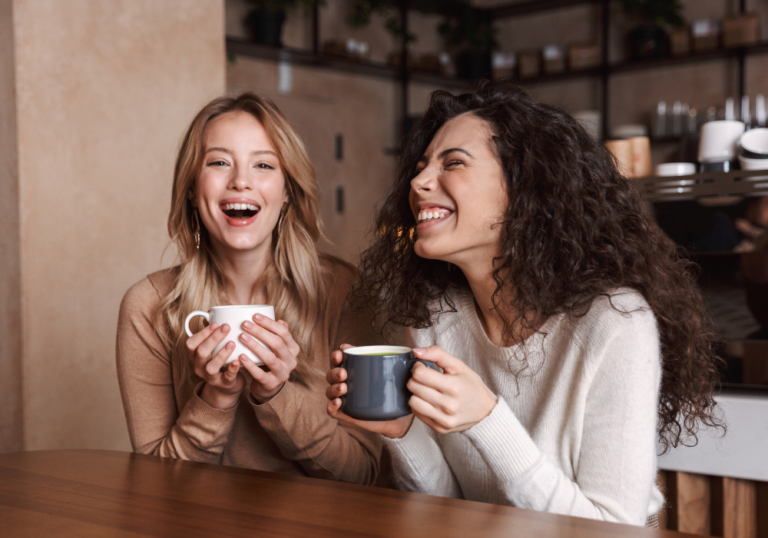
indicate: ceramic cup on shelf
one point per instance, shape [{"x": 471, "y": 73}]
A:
[
  {"x": 376, "y": 381},
  {"x": 234, "y": 316},
  {"x": 718, "y": 141}
]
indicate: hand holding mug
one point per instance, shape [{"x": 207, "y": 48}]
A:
[
  {"x": 452, "y": 401},
  {"x": 279, "y": 358},
  {"x": 336, "y": 378},
  {"x": 223, "y": 385}
]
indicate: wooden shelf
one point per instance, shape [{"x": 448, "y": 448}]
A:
[
  {"x": 515, "y": 9},
  {"x": 693, "y": 57},
  {"x": 243, "y": 47},
  {"x": 678, "y": 188}
]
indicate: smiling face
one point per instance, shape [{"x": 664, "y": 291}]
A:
[
  {"x": 240, "y": 187},
  {"x": 458, "y": 194}
]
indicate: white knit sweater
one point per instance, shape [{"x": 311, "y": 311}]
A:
[{"x": 573, "y": 433}]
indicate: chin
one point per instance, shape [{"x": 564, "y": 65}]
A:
[{"x": 423, "y": 251}]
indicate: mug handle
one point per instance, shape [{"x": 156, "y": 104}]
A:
[
  {"x": 206, "y": 315},
  {"x": 429, "y": 364}
]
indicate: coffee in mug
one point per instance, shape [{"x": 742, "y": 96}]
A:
[
  {"x": 234, "y": 316},
  {"x": 376, "y": 381}
]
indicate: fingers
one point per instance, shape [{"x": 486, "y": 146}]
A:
[
  {"x": 275, "y": 334},
  {"x": 205, "y": 349},
  {"x": 336, "y": 375},
  {"x": 432, "y": 396},
  {"x": 230, "y": 374},
  {"x": 440, "y": 357},
  {"x": 422, "y": 375},
  {"x": 197, "y": 338},
  {"x": 336, "y": 358},
  {"x": 336, "y": 391},
  {"x": 257, "y": 373},
  {"x": 215, "y": 365}
]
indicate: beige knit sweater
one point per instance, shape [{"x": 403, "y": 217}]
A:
[
  {"x": 574, "y": 433},
  {"x": 292, "y": 433}
]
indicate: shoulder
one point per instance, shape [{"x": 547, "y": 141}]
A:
[
  {"x": 620, "y": 307},
  {"x": 623, "y": 321},
  {"x": 337, "y": 267},
  {"x": 339, "y": 276},
  {"x": 146, "y": 294}
]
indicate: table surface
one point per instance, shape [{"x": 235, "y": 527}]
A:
[{"x": 103, "y": 493}]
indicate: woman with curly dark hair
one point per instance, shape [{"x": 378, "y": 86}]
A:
[{"x": 570, "y": 335}]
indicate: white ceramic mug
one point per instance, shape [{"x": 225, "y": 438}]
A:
[
  {"x": 234, "y": 316},
  {"x": 718, "y": 141}
]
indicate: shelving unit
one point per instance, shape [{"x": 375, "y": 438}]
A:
[
  {"x": 678, "y": 188},
  {"x": 406, "y": 76}
]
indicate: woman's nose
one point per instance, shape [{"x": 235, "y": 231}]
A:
[
  {"x": 424, "y": 181},
  {"x": 240, "y": 180}
]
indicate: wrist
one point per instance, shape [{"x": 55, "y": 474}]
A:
[
  {"x": 262, "y": 397},
  {"x": 218, "y": 399}
]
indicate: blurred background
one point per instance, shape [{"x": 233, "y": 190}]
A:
[{"x": 95, "y": 96}]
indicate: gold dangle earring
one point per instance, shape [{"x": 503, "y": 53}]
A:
[
  {"x": 281, "y": 218},
  {"x": 197, "y": 231}
]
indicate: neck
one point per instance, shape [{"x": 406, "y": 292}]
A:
[
  {"x": 242, "y": 271},
  {"x": 481, "y": 282}
]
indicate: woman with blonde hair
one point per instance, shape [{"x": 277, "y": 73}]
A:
[{"x": 244, "y": 218}]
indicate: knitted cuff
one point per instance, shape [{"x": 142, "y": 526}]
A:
[{"x": 503, "y": 443}]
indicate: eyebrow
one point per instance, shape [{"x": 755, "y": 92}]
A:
[
  {"x": 447, "y": 152},
  {"x": 258, "y": 152}
]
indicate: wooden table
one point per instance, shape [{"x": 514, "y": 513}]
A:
[{"x": 103, "y": 493}]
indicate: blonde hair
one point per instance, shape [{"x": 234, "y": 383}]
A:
[{"x": 293, "y": 281}]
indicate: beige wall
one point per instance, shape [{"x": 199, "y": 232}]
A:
[
  {"x": 104, "y": 91},
  {"x": 11, "y": 422}
]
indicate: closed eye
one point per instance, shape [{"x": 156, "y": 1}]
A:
[{"x": 454, "y": 163}]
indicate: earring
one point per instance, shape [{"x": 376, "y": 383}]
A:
[{"x": 197, "y": 231}]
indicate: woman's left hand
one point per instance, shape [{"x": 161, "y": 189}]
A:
[
  {"x": 280, "y": 361},
  {"x": 452, "y": 401}
]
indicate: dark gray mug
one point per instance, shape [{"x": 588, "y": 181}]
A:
[{"x": 376, "y": 381}]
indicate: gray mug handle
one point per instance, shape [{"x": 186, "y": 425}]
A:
[{"x": 429, "y": 364}]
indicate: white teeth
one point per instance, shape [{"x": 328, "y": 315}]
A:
[
  {"x": 238, "y": 206},
  {"x": 431, "y": 215}
]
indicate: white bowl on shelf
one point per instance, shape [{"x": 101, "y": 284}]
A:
[
  {"x": 754, "y": 144},
  {"x": 675, "y": 169},
  {"x": 753, "y": 164}
]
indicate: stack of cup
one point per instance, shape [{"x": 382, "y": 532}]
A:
[
  {"x": 633, "y": 155},
  {"x": 718, "y": 145},
  {"x": 753, "y": 153}
]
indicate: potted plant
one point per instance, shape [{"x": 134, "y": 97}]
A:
[
  {"x": 470, "y": 34},
  {"x": 265, "y": 21},
  {"x": 648, "y": 39}
]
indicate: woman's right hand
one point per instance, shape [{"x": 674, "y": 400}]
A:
[
  {"x": 336, "y": 378},
  {"x": 222, "y": 386}
]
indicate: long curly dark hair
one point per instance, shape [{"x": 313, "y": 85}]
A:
[{"x": 575, "y": 229}]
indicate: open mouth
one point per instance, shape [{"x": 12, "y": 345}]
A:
[
  {"x": 240, "y": 211},
  {"x": 433, "y": 213}
]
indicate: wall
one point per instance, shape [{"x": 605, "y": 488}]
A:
[
  {"x": 104, "y": 91},
  {"x": 11, "y": 421}
]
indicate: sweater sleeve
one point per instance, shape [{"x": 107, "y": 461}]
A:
[
  {"x": 155, "y": 425},
  {"x": 296, "y": 418},
  {"x": 616, "y": 468},
  {"x": 419, "y": 465}
]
